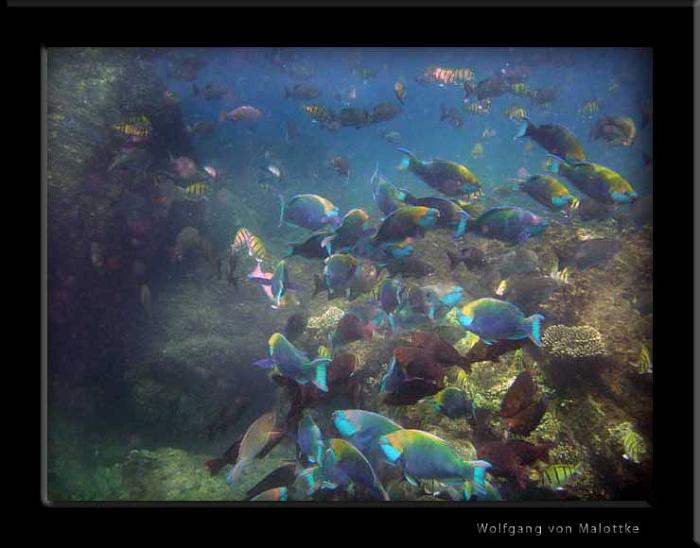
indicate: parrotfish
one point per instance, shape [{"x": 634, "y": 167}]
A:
[
  {"x": 450, "y": 178},
  {"x": 292, "y": 363},
  {"x": 311, "y": 248},
  {"x": 406, "y": 222},
  {"x": 453, "y": 403},
  {"x": 509, "y": 224},
  {"x": 549, "y": 192},
  {"x": 310, "y": 440},
  {"x": 493, "y": 320},
  {"x": 351, "y": 328},
  {"x": 308, "y": 211},
  {"x": 283, "y": 476},
  {"x": 338, "y": 274},
  {"x": 278, "y": 494},
  {"x": 344, "y": 465},
  {"x": 421, "y": 455},
  {"x": 390, "y": 296},
  {"x": 441, "y": 296},
  {"x": 363, "y": 428},
  {"x": 255, "y": 439},
  {"x": 553, "y": 138},
  {"x": 599, "y": 182},
  {"x": 354, "y": 226},
  {"x": 386, "y": 195},
  {"x": 452, "y": 216},
  {"x": 397, "y": 388}
]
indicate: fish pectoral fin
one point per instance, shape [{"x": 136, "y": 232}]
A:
[{"x": 410, "y": 480}]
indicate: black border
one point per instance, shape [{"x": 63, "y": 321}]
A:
[{"x": 668, "y": 31}]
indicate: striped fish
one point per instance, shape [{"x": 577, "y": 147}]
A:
[
  {"x": 480, "y": 108},
  {"x": 245, "y": 239},
  {"x": 139, "y": 126},
  {"x": 318, "y": 114},
  {"x": 196, "y": 191},
  {"x": 643, "y": 365},
  {"x": 240, "y": 240},
  {"x": 324, "y": 352},
  {"x": 634, "y": 447},
  {"x": 450, "y": 76},
  {"x": 557, "y": 476},
  {"x": 256, "y": 248}
]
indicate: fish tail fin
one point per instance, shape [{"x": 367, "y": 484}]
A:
[
  {"x": 311, "y": 478},
  {"x": 320, "y": 366},
  {"x": 554, "y": 164},
  {"x": 235, "y": 473},
  {"x": 534, "y": 324},
  {"x": 407, "y": 161},
  {"x": 462, "y": 226},
  {"x": 281, "y": 198},
  {"x": 479, "y": 468},
  {"x": 374, "y": 175},
  {"x": 522, "y": 130}
]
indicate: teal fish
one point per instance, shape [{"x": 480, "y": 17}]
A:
[
  {"x": 450, "y": 178},
  {"x": 493, "y": 320},
  {"x": 421, "y": 455},
  {"x": 441, "y": 296},
  {"x": 363, "y": 428},
  {"x": 292, "y": 363},
  {"x": 310, "y": 440},
  {"x": 279, "y": 282},
  {"x": 344, "y": 465},
  {"x": 308, "y": 211}
]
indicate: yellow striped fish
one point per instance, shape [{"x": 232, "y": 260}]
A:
[
  {"x": 634, "y": 447},
  {"x": 256, "y": 247},
  {"x": 481, "y": 108},
  {"x": 139, "y": 126},
  {"x": 196, "y": 191},
  {"x": 643, "y": 364},
  {"x": 556, "y": 476},
  {"x": 515, "y": 113},
  {"x": 240, "y": 240},
  {"x": 450, "y": 76},
  {"x": 590, "y": 107},
  {"x": 519, "y": 89}
]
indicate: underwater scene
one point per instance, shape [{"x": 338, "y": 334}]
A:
[{"x": 348, "y": 274}]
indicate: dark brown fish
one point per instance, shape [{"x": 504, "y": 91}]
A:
[
  {"x": 409, "y": 267},
  {"x": 528, "y": 419},
  {"x": 418, "y": 363},
  {"x": 350, "y": 328},
  {"x": 504, "y": 461},
  {"x": 411, "y": 391},
  {"x": 341, "y": 369},
  {"x": 519, "y": 395},
  {"x": 491, "y": 87},
  {"x": 294, "y": 328},
  {"x": 472, "y": 257},
  {"x": 529, "y": 453},
  {"x": 527, "y": 292},
  {"x": 384, "y": 112},
  {"x": 588, "y": 253},
  {"x": 282, "y": 476},
  {"x": 354, "y": 117},
  {"x": 592, "y": 210},
  {"x": 481, "y": 352},
  {"x": 442, "y": 351}
]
